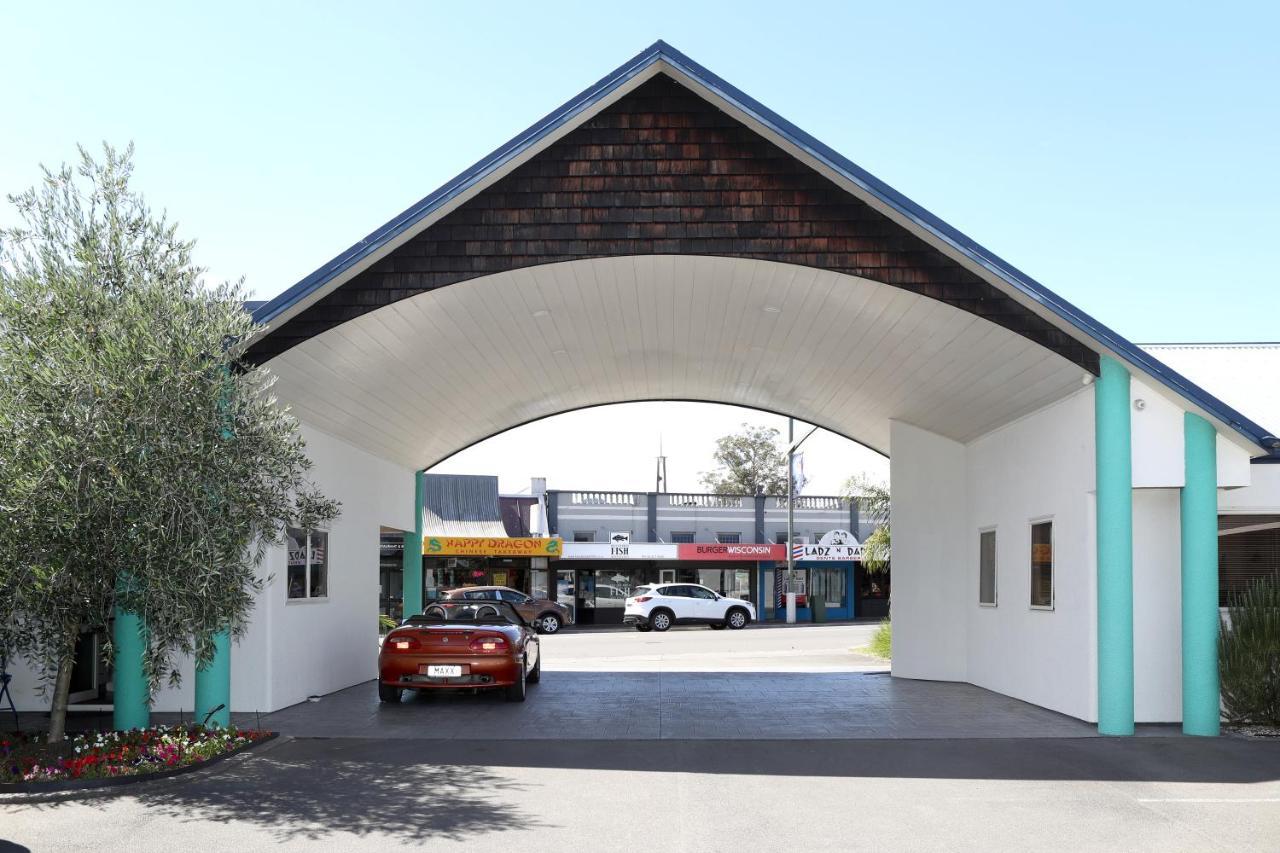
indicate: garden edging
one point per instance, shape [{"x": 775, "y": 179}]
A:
[{"x": 114, "y": 781}]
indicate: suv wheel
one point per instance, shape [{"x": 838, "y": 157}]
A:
[
  {"x": 660, "y": 620},
  {"x": 736, "y": 619},
  {"x": 550, "y": 623}
]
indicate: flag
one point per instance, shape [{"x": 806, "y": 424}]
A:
[{"x": 798, "y": 479}]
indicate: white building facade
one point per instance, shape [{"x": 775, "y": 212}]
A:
[{"x": 664, "y": 236}]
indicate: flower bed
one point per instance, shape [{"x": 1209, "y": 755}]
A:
[{"x": 111, "y": 755}]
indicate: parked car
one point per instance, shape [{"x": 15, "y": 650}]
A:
[
  {"x": 455, "y": 644},
  {"x": 657, "y": 607},
  {"x": 553, "y": 614}
]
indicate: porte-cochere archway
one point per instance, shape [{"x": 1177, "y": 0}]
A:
[{"x": 664, "y": 236}]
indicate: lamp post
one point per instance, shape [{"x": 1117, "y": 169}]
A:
[{"x": 792, "y": 445}]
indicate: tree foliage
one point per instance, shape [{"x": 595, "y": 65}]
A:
[
  {"x": 1249, "y": 654},
  {"x": 748, "y": 462},
  {"x": 142, "y": 466},
  {"x": 873, "y": 503}
]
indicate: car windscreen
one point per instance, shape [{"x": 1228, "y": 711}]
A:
[{"x": 489, "y": 612}]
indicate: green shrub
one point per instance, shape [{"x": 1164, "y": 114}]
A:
[
  {"x": 385, "y": 623},
  {"x": 882, "y": 640},
  {"x": 1249, "y": 655}
]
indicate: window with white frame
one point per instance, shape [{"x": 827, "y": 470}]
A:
[
  {"x": 987, "y": 568},
  {"x": 308, "y": 563},
  {"x": 728, "y": 538},
  {"x": 684, "y": 536},
  {"x": 1042, "y": 565}
]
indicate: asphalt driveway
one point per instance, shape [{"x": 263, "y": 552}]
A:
[
  {"x": 1143, "y": 794},
  {"x": 758, "y": 740}
]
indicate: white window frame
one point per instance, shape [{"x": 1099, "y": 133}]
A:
[
  {"x": 734, "y": 535},
  {"x": 306, "y": 569},
  {"x": 1053, "y": 563},
  {"x": 995, "y": 567}
]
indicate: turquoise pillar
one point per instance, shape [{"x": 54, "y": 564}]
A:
[
  {"x": 411, "y": 585},
  {"x": 213, "y": 684},
  {"x": 213, "y": 680},
  {"x": 1201, "y": 705},
  {"x": 131, "y": 693},
  {"x": 1114, "y": 461}
]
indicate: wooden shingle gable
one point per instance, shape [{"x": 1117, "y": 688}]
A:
[{"x": 662, "y": 171}]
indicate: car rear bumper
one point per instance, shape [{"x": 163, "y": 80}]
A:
[
  {"x": 410, "y": 671},
  {"x": 635, "y": 619}
]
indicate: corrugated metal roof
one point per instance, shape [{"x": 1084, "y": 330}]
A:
[{"x": 461, "y": 505}]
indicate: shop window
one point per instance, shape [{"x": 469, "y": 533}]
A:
[
  {"x": 308, "y": 563},
  {"x": 584, "y": 536},
  {"x": 683, "y": 536},
  {"x": 1042, "y": 565},
  {"x": 987, "y": 568},
  {"x": 780, "y": 537},
  {"x": 728, "y": 538}
]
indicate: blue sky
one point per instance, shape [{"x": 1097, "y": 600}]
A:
[{"x": 1126, "y": 155}]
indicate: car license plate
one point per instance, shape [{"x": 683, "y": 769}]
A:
[{"x": 444, "y": 670}]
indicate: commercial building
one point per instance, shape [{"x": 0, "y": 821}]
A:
[
  {"x": 472, "y": 536},
  {"x": 734, "y": 544},
  {"x": 664, "y": 236}
]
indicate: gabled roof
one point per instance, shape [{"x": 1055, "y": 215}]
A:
[{"x": 662, "y": 57}]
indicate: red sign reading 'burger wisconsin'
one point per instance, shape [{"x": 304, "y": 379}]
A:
[{"x": 695, "y": 551}]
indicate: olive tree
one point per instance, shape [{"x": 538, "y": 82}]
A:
[{"x": 143, "y": 466}]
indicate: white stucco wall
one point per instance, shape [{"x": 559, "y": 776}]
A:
[
  {"x": 927, "y": 473},
  {"x": 1262, "y": 496},
  {"x": 1038, "y": 468},
  {"x": 1157, "y": 606},
  {"x": 316, "y": 647},
  {"x": 293, "y": 649}
]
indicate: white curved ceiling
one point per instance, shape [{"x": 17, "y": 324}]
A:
[{"x": 427, "y": 376}]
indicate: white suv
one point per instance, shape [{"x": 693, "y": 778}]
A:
[{"x": 659, "y": 606}]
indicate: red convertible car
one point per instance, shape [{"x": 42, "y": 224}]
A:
[{"x": 461, "y": 644}]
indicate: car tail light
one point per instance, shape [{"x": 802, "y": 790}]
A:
[
  {"x": 402, "y": 643},
  {"x": 489, "y": 644},
  {"x": 641, "y": 599}
]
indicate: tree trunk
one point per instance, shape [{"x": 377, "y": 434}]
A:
[{"x": 61, "y": 695}]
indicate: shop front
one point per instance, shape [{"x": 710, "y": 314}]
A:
[
  {"x": 452, "y": 562},
  {"x": 597, "y": 578},
  {"x": 832, "y": 580}
]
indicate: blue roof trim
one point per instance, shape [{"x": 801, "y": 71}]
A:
[{"x": 661, "y": 51}]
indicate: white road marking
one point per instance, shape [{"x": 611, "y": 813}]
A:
[{"x": 1210, "y": 800}]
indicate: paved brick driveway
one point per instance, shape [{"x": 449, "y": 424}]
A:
[{"x": 796, "y": 683}]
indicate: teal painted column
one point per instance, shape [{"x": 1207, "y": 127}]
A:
[
  {"x": 1113, "y": 445},
  {"x": 1201, "y": 703},
  {"x": 213, "y": 684},
  {"x": 131, "y": 708},
  {"x": 411, "y": 581},
  {"x": 213, "y": 681}
]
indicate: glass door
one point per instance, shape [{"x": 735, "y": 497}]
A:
[{"x": 565, "y": 592}]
